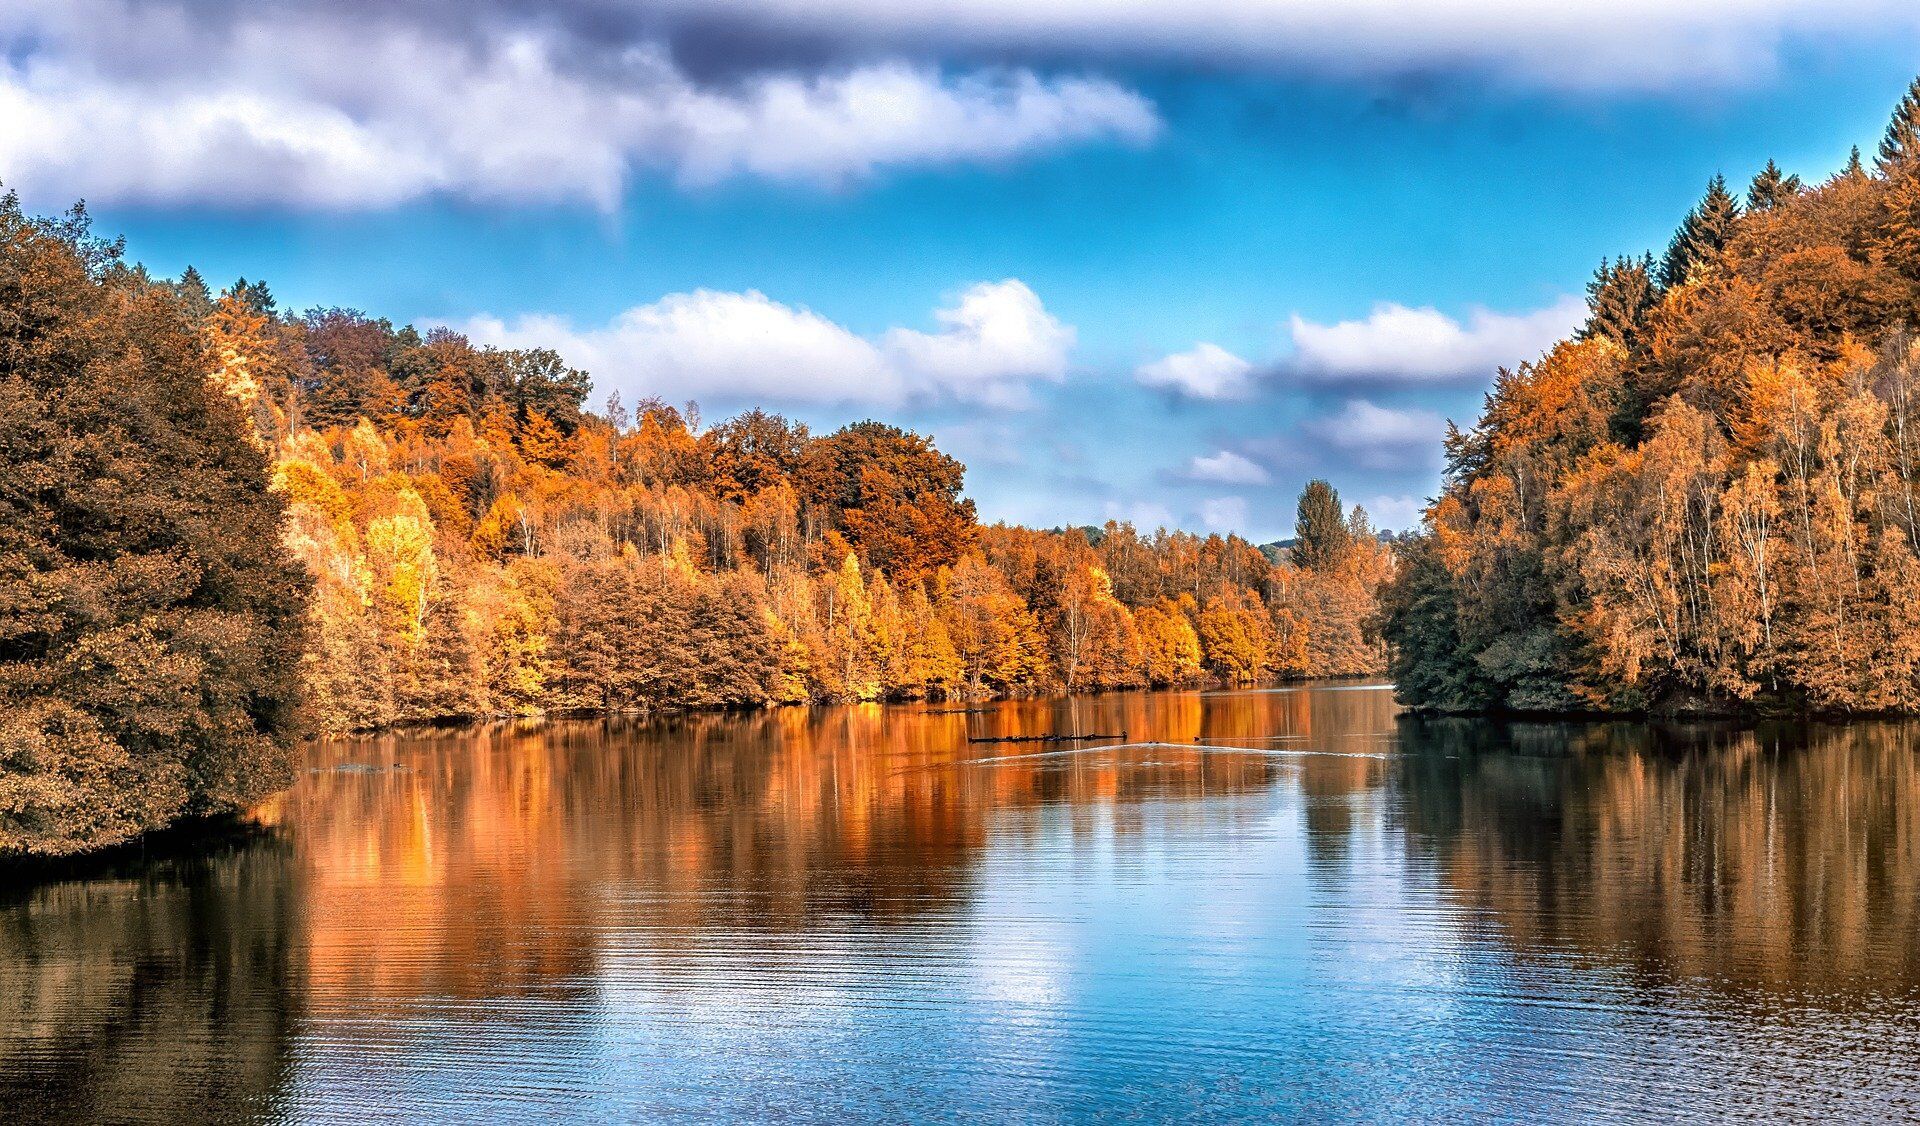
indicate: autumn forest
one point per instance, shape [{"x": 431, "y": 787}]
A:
[
  {"x": 227, "y": 525},
  {"x": 1706, "y": 500}
]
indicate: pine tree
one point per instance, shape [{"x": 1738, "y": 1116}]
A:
[
  {"x": 254, "y": 295},
  {"x": 193, "y": 290},
  {"x": 1322, "y": 538},
  {"x": 1619, "y": 298},
  {"x": 1702, "y": 235},
  {"x": 1854, "y": 170},
  {"x": 1430, "y": 664},
  {"x": 1902, "y": 141},
  {"x": 1771, "y": 188}
]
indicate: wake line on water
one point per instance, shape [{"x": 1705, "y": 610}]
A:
[
  {"x": 1269, "y": 752},
  {"x": 1254, "y": 739}
]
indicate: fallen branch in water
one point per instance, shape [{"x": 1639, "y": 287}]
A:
[{"x": 1044, "y": 738}]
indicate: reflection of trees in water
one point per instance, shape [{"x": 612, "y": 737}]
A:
[
  {"x": 161, "y": 990},
  {"x": 1784, "y": 856},
  {"x": 407, "y": 874},
  {"x": 508, "y": 864},
  {"x": 493, "y": 863},
  {"x": 1356, "y": 730}
]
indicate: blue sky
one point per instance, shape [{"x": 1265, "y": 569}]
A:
[{"x": 992, "y": 226}]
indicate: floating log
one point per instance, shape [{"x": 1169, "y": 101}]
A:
[{"x": 1044, "y": 738}]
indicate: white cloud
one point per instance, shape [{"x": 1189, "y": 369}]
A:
[
  {"x": 1227, "y": 468},
  {"x": 319, "y": 104},
  {"x": 989, "y": 347},
  {"x": 1395, "y": 513},
  {"x": 1396, "y": 344},
  {"x": 832, "y": 128},
  {"x": 1563, "y": 44},
  {"x": 1224, "y": 514},
  {"x": 153, "y": 103},
  {"x": 687, "y": 345},
  {"x": 1145, "y": 515},
  {"x": 1380, "y": 438},
  {"x": 993, "y": 343},
  {"x": 1208, "y": 371}
]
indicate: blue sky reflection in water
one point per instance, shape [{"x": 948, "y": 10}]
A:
[{"x": 845, "y": 914}]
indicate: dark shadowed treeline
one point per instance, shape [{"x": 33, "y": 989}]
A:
[
  {"x": 1770, "y": 857},
  {"x": 1707, "y": 498},
  {"x": 151, "y": 624}
]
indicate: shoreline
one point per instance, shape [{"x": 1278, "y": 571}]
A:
[{"x": 957, "y": 704}]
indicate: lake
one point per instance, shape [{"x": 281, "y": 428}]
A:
[{"x": 1273, "y": 903}]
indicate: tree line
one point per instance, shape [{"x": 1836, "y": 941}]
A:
[
  {"x": 223, "y": 524},
  {"x": 1706, "y": 499},
  {"x": 484, "y": 545}
]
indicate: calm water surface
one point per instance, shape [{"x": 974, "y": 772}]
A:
[{"x": 1283, "y": 903}]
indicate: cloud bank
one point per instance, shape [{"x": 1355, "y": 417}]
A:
[
  {"x": 1582, "y": 45},
  {"x": 992, "y": 345},
  {"x": 303, "y": 106},
  {"x": 1396, "y": 344},
  {"x": 340, "y": 104}
]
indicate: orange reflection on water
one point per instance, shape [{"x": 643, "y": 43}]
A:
[
  {"x": 485, "y": 862},
  {"x": 444, "y": 908}
]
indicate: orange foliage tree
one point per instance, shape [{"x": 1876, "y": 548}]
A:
[{"x": 1707, "y": 500}]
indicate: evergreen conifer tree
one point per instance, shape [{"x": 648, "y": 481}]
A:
[
  {"x": 1702, "y": 235},
  {"x": 1902, "y": 141},
  {"x": 1322, "y": 538},
  {"x": 255, "y": 296},
  {"x": 1771, "y": 188},
  {"x": 193, "y": 290},
  {"x": 1619, "y": 298}
]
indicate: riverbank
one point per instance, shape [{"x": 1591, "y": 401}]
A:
[{"x": 957, "y": 703}]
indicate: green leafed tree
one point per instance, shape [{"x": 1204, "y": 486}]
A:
[
  {"x": 1322, "y": 537},
  {"x": 1430, "y": 665},
  {"x": 537, "y": 381},
  {"x": 151, "y": 624}
]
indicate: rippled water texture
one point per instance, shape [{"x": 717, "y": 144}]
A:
[{"x": 1281, "y": 903}]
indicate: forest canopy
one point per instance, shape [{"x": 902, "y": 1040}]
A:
[
  {"x": 485, "y": 544},
  {"x": 151, "y": 623},
  {"x": 1705, "y": 500}
]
